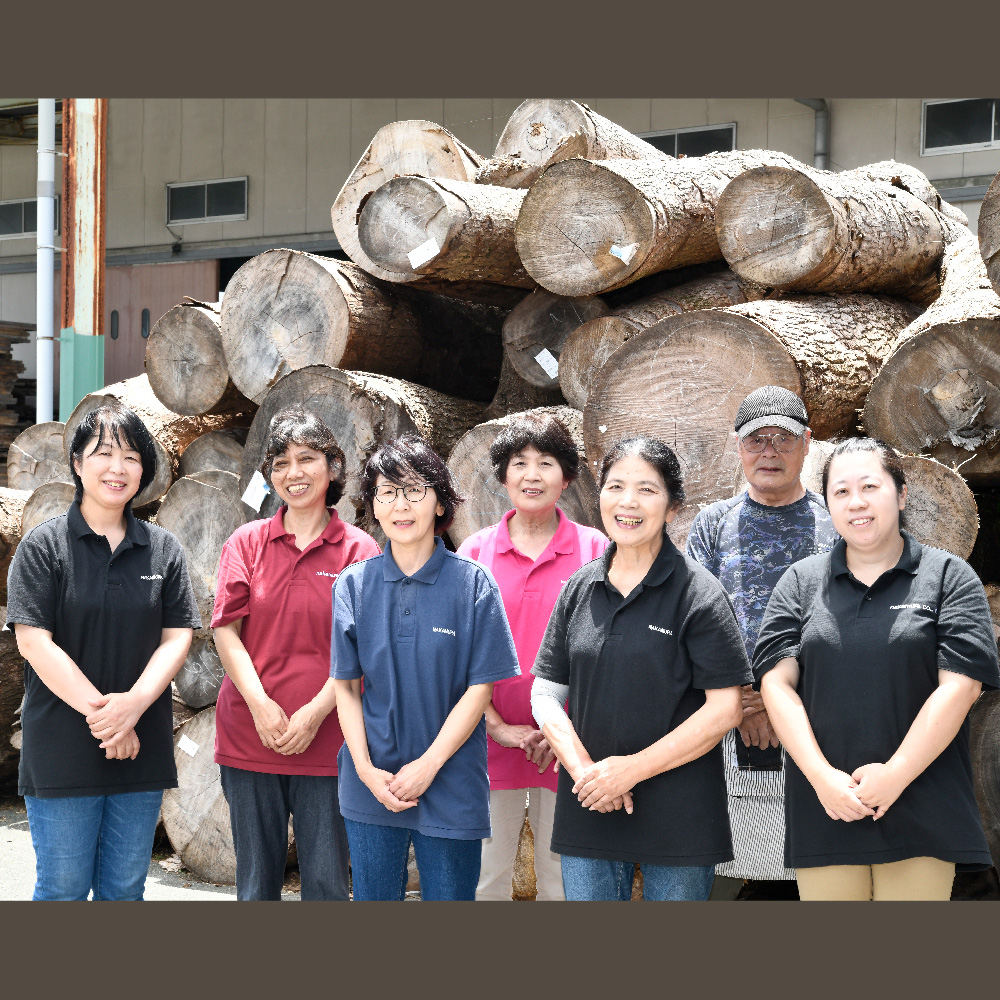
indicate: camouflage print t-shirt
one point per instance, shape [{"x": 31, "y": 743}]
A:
[{"x": 748, "y": 546}]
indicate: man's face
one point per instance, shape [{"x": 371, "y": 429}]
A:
[{"x": 772, "y": 471}]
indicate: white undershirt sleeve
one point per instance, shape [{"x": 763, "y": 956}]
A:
[{"x": 547, "y": 700}]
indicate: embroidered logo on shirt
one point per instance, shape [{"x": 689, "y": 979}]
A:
[
  {"x": 920, "y": 607},
  {"x": 665, "y": 631},
  {"x": 323, "y": 572},
  {"x": 155, "y": 576},
  {"x": 446, "y": 631}
]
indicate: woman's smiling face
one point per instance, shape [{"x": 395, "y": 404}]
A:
[
  {"x": 404, "y": 521},
  {"x": 635, "y": 503},
  {"x": 863, "y": 500}
]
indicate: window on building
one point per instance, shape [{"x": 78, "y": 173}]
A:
[
  {"x": 694, "y": 141},
  {"x": 207, "y": 201},
  {"x": 20, "y": 218},
  {"x": 957, "y": 126}
]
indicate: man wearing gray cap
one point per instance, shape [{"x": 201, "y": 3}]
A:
[{"x": 748, "y": 542}]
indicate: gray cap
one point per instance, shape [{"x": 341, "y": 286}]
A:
[{"x": 771, "y": 406}]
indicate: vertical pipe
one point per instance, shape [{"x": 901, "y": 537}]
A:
[
  {"x": 45, "y": 251},
  {"x": 821, "y": 142}
]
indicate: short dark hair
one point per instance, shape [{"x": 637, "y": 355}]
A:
[
  {"x": 297, "y": 425},
  {"x": 889, "y": 458},
  {"x": 113, "y": 421},
  {"x": 411, "y": 457},
  {"x": 542, "y": 431},
  {"x": 659, "y": 455}
]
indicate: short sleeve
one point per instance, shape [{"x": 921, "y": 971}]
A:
[
  {"x": 345, "y": 665},
  {"x": 471, "y": 547},
  {"x": 552, "y": 658},
  {"x": 32, "y": 585},
  {"x": 493, "y": 657},
  {"x": 781, "y": 630},
  {"x": 966, "y": 644},
  {"x": 699, "y": 546},
  {"x": 232, "y": 593},
  {"x": 179, "y": 607},
  {"x": 712, "y": 639}
]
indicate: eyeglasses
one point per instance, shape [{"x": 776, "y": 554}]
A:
[
  {"x": 756, "y": 443},
  {"x": 388, "y": 494}
]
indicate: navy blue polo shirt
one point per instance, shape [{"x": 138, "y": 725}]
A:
[
  {"x": 868, "y": 660},
  {"x": 106, "y": 610},
  {"x": 420, "y": 642}
]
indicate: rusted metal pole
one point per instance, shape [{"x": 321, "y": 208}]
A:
[{"x": 84, "y": 187}]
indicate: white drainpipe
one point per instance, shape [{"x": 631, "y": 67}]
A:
[
  {"x": 821, "y": 148},
  {"x": 45, "y": 268}
]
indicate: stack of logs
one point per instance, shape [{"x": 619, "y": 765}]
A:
[{"x": 579, "y": 269}]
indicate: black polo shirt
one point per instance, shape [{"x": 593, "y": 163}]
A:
[
  {"x": 106, "y": 611},
  {"x": 637, "y": 667},
  {"x": 868, "y": 660}
]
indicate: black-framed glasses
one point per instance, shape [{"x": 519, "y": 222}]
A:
[
  {"x": 756, "y": 443},
  {"x": 414, "y": 494}
]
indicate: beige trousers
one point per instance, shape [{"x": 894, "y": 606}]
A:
[
  {"x": 912, "y": 879},
  {"x": 507, "y": 811}
]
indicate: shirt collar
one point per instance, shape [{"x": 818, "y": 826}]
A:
[
  {"x": 135, "y": 532},
  {"x": 333, "y": 532},
  {"x": 663, "y": 564},
  {"x": 428, "y": 573},
  {"x": 563, "y": 541},
  {"x": 909, "y": 560}
]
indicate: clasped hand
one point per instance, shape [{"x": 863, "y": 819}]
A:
[
  {"x": 606, "y": 785},
  {"x": 113, "y": 723},
  {"x": 403, "y": 789}
]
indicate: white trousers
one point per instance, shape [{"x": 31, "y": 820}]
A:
[{"x": 507, "y": 810}]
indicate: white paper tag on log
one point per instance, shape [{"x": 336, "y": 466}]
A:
[
  {"x": 256, "y": 491},
  {"x": 624, "y": 254},
  {"x": 602, "y": 428},
  {"x": 423, "y": 253},
  {"x": 187, "y": 744},
  {"x": 549, "y": 362}
]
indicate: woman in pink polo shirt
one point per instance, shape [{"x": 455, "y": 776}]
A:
[
  {"x": 277, "y": 734},
  {"x": 531, "y": 553}
]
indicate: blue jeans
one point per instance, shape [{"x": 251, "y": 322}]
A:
[
  {"x": 102, "y": 843},
  {"x": 595, "y": 879},
  {"x": 449, "y": 869},
  {"x": 259, "y": 807}
]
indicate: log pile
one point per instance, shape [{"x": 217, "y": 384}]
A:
[
  {"x": 576, "y": 264},
  {"x": 10, "y": 424}
]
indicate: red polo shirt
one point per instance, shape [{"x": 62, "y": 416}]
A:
[
  {"x": 283, "y": 596},
  {"x": 529, "y": 589}
]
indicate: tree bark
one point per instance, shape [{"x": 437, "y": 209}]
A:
[
  {"x": 11, "y": 510},
  {"x": 363, "y": 411},
  {"x": 470, "y": 465},
  {"x": 989, "y": 233},
  {"x": 543, "y": 131},
  {"x": 202, "y": 518},
  {"x": 172, "y": 432},
  {"x": 515, "y": 393},
  {"x": 285, "y": 310},
  {"x": 536, "y": 329},
  {"x": 186, "y": 364},
  {"x": 683, "y": 379},
  {"x": 984, "y": 747},
  {"x": 938, "y": 392},
  {"x": 37, "y": 456},
  {"x": 11, "y": 694},
  {"x": 807, "y": 230},
  {"x": 589, "y": 346},
  {"x": 451, "y": 230},
  {"x": 398, "y": 149},
  {"x": 214, "y": 450}
]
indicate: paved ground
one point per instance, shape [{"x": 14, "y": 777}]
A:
[{"x": 17, "y": 866}]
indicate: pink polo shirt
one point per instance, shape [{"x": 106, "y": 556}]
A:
[
  {"x": 529, "y": 590},
  {"x": 284, "y": 597}
]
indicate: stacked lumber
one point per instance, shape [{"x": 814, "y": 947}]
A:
[{"x": 11, "y": 422}]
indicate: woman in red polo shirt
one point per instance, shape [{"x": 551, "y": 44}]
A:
[
  {"x": 277, "y": 734},
  {"x": 531, "y": 553}
]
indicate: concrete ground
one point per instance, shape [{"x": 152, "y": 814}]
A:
[{"x": 17, "y": 866}]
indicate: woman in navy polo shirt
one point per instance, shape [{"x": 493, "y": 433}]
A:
[
  {"x": 277, "y": 736},
  {"x": 103, "y": 612},
  {"x": 644, "y": 644},
  {"x": 425, "y": 630},
  {"x": 869, "y": 659}
]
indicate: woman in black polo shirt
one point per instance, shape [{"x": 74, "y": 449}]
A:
[
  {"x": 869, "y": 659},
  {"x": 644, "y": 644},
  {"x": 103, "y": 611}
]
